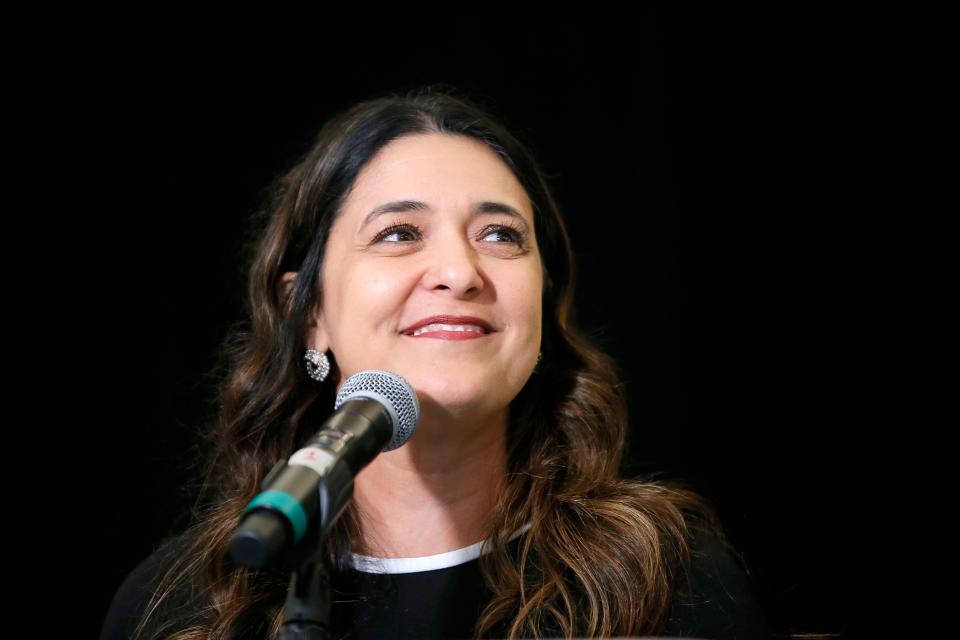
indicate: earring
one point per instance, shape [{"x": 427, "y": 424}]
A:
[
  {"x": 318, "y": 364},
  {"x": 536, "y": 367}
]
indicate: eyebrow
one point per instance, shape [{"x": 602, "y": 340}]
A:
[{"x": 402, "y": 206}]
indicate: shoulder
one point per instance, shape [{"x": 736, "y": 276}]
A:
[
  {"x": 132, "y": 596},
  {"x": 714, "y": 595}
]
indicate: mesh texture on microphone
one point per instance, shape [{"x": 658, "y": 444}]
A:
[{"x": 391, "y": 390}]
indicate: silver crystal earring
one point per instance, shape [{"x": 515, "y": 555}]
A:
[{"x": 318, "y": 364}]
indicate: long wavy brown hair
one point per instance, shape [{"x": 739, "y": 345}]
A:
[{"x": 602, "y": 554}]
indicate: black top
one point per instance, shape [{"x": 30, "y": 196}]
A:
[{"x": 714, "y": 600}]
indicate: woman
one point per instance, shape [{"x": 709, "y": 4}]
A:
[{"x": 418, "y": 236}]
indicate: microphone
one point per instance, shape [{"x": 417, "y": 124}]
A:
[{"x": 374, "y": 411}]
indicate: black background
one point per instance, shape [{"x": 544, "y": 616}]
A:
[{"x": 753, "y": 194}]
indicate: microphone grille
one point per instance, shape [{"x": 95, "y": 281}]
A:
[{"x": 393, "y": 392}]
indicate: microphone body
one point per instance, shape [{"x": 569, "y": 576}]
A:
[{"x": 375, "y": 411}]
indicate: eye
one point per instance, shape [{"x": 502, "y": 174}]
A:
[
  {"x": 398, "y": 230},
  {"x": 405, "y": 232},
  {"x": 513, "y": 234}
]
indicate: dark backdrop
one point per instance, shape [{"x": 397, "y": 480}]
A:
[{"x": 749, "y": 192}]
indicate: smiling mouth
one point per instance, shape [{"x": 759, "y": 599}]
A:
[{"x": 449, "y": 331}]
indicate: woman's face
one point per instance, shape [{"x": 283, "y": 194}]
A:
[{"x": 466, "y": 249}]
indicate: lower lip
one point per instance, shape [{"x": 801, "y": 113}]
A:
[{"x": 452, "y": 335}]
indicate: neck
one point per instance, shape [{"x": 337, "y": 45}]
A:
[{"x": 434, "y": 494}]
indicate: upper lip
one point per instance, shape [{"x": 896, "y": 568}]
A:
[{"x": 480, "y": 322}]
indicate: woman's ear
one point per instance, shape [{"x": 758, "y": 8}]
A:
[
  {"x": 316, "y": 332},
  {"x": 284, "y": 287}
]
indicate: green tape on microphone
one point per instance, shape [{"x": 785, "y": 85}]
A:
[{"x": 285, "y": 504}]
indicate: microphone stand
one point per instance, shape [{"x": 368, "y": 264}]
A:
[
  {"x": 309, "y": 596},
  {"x": 309, "y": 593}
]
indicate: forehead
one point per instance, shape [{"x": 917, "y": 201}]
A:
[{"x": 441, "y": 170}]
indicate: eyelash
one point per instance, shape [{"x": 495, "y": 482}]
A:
[{"x": 515, "y": 233}]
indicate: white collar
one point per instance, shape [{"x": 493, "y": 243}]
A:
[{"x": 370, "y": 564}]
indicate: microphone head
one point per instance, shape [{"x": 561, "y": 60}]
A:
[{"x": 393, "y": 392}]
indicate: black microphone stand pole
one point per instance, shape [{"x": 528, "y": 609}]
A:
[
  {"x": 308, "y": 604},
  {"x": 309, "y": 594}
]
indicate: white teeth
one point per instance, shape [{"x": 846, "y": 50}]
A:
[{"x": 448, "y": 327}]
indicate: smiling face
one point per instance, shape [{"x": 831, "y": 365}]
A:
[{"x": 435, "y": 225}]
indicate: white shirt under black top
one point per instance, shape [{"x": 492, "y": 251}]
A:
[{"x": 442, "y": 596}]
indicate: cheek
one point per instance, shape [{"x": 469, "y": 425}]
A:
[
  {"x": 379, "y": 286},
  {"x": 524, "y": 297},
  {"x": 374, "y": 292}
]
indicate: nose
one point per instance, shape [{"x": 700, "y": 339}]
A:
[{"x": 453, "y": 265}]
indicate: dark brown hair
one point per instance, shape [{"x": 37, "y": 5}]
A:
[{"x": 602, "y": 553}]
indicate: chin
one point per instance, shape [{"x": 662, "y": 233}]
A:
[{"x": 454, "y": 394}]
